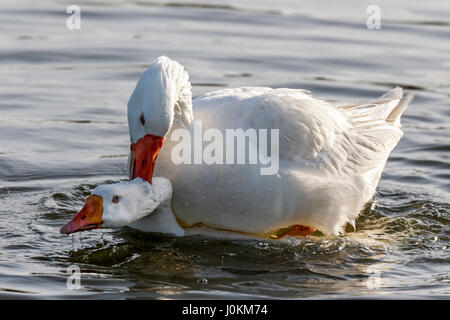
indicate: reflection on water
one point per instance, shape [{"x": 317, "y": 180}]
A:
[{"x": 63, "y": 130}]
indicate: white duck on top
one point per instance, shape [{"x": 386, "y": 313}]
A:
[{"x": 331, "y": 155}]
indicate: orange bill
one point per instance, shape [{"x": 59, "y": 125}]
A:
[
  {"x": 143, "y": 157},
  {"x": 90, "y": 217}
]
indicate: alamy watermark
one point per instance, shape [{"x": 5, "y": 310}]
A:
[
  {"x": 374, "y": 281},
  {"x": 236, "y": 146},
  {"x": 74, "y": 280},
  {"x": 374, "y": 20},
  {"x": 73, "y": 22}
]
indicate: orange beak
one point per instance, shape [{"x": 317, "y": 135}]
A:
[
  {"x": 90, "y": 217},
  {"x": 143, "y": 156}
]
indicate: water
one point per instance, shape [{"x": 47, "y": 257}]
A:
[{"x": 63, "y": 131}]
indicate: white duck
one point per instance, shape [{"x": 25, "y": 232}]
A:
[
  {"x": 331, "y": 156},
  {"x": 121, "y": 204}
]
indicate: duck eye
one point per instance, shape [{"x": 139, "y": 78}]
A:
[
  {"x": 142, "y": 118},
  {"x": 115, "y": 199}
]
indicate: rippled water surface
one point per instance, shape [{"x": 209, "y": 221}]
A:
[{"x": 63, "y": 130}]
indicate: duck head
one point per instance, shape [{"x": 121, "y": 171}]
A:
[
  {"x": 118, "y": 205},
  {"x": 162, "y": 93}
]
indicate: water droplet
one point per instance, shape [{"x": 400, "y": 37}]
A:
[
  {"x": 262, "y": 245},
  {"x": 102, "y": 240}
]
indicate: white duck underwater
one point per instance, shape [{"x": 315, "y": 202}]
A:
[{"x": 330, "y": 159}]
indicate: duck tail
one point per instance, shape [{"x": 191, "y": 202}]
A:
[
  {"x": 396, "y": 113},
  {"x": 388, "y": 108}
]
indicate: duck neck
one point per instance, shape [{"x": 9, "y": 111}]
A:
[{"x": 162, "y": 220}]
